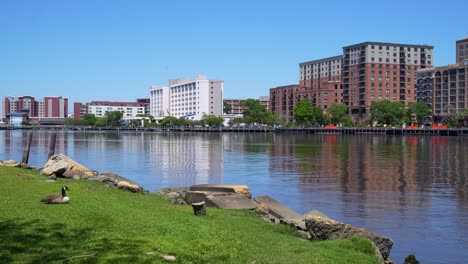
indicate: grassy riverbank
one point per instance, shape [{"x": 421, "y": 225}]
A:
[{"x": 102, "y": 224}]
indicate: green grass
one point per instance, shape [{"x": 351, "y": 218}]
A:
[{"x": 123, "y": 227}]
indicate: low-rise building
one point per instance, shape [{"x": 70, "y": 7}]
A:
[
  {"x": 237, "y": 105},
  {"x": 100, "y": 108},
  {"x": 283, "y": 100}
]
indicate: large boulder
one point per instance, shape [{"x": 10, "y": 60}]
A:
[
  {"x": 321, "y": 228},
  {"x": 118, "y": 181},
  {"x": 63, "y": 166}
]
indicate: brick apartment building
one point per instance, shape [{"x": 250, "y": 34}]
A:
[
  {"x": 283, "y": 100},
  {"x": 322, "y": 79},
  {"x": 50, "y": 107},
  {"x": 376, "y": 71}
]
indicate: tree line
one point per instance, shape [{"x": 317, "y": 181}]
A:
[{"x": 382, "y": 113}]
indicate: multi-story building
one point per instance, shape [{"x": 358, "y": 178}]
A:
[
  {"x": 237, "y": 105},
  {"x": 322, "y": 80},
  {"x": 283, "y": 100},
  {"x": 462, "y": 50},
  {"x": 375, "y": 71},
  {"x": 445, "y": 89},
  {"x": 100, "y": 108},
  {"x": 159, "y": 101},
  {"x": 190, "y": 99},
  {"x": 48, "y": 107}
]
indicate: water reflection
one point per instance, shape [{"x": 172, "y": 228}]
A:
[{"x": 411, "y": 188}]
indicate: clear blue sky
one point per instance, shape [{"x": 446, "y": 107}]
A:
[{"x": 114, "y": 50}]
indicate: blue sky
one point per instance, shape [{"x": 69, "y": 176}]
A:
[{"x": 114, "y": 50}]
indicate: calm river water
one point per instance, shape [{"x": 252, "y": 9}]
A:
[{"x": 413, "y": 189}]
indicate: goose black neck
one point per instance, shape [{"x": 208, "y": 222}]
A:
[{"x": 63, "y": 192}]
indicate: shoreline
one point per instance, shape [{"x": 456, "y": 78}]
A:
[{"x": 312, "y": 130}]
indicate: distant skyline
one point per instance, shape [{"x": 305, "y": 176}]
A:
[{"x": 115, "y": 50}]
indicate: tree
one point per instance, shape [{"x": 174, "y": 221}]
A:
[
  {"x": 389, "y": 113},
  {"x": 339, "y": 114},
  {"x": 303, "y": 113},
  {"x": 227, "y": 108},
  {"x": 89, "y": 119},
  {"x": 212, "y": 120},
  {"x": 254, "y": 112},
  {"x": 420, "y": 110},
  {"x": 113, "y": 118},
  {"x": 236, "y": 120},
  {"x": 170, "y": 121},
  {"x": 306, "y": 114}
]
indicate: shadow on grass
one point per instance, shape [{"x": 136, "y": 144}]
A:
[{"x": 35, "y": 242}]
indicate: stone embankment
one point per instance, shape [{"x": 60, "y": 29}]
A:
[{"x": 313, "y": 225}]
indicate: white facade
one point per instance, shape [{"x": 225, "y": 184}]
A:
[
  {"x": 191, "y": 99},
  {"x": 159, "y": 101},
  {"x": 127, "y": 110}
]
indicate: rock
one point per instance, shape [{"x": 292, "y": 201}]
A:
[
  {"x": 168, "y": 257},
  {"x": 223, "y": 188},
  {"x": 25, "y": 166},
  {"x": 323, "y": 228},
  {"x": 277, "y": 209},
  {"x": 196, "y": 196},
  {"x": 229, "y": 200},
  {"x": 64, "y": 166},
  {"x": 57, "y": 167},
  {"x": 232, "y": 201},
  {"x": 10, "y": 163},
  {"x": 129, "y": 186},
  {"x": 315, "y": 213},
  {"x": 118, "y": 181}
]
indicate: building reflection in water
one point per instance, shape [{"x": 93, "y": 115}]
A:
[{"x": 157, "y": 159}]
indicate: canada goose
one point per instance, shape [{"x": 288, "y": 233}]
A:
[{"x": 56, "y": 198}]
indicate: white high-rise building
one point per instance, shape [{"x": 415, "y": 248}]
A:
[
  {"x": 190, "y": 99},
  {"x": 159, "y": 101}
]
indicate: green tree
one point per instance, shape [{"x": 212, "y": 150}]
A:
[
  {"x": 100, "y": 121},
  {"x": 420, "y": 110},
  {"x": 236, "y": 120},
  {"x": 212, "y": 120},
  {"x": 89, "y": 119},
  {"x": 227, "y": 108},
  {"x": 306, "y": 114},
  {"x": 389, "y": 113},
  {"x": 339, "y": 114},
  {"x": 113, "y": 118},
  {"x": 170, "y": 121},
  {"x": 254, "y": 112},
  {"x": 303, "y": 112}
]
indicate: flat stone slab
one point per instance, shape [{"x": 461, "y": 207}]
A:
[
  {"x": 278, "y": 209},
  {"x": 226, "y": 188},
  {"x": 232, "y": 201},
  {"x": 221, "y": 200}
]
